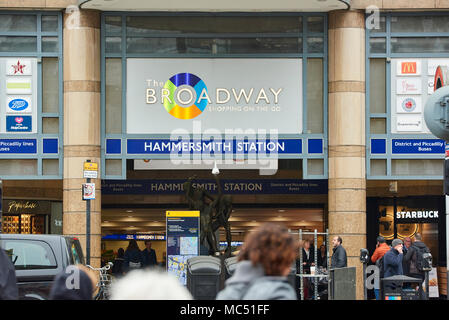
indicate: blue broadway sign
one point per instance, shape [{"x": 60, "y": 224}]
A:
[
  {"x": 269, "y": 186},
  {"x": 417, "y": 146},
  {"x": 18, "y": 146}
]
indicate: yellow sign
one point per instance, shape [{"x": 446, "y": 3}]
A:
[
  {"x": 90, "y": 166},
  {"x": 182, "y": 213}
]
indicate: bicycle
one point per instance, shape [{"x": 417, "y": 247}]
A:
[{"x": 104, "y": 281}]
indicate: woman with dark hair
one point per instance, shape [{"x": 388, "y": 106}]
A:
[
  {"x": 264, "y": 262},
  {"x": 117, "y": 268},
  {"x": 133, "y": 256}
]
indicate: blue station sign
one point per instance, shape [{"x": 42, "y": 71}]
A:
[{"x": 417, "y": 146}]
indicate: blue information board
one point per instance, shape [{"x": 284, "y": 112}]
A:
[
  {"x": 18, "y": 146},
  {"x": 417, "y": 146},
  {"x": 183, "y": 241}
]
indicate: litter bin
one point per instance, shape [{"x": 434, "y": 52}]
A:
[
  {"x": 230, "y": 265},
  {"x": 203, "y": 277},
  {"x": 401, "y": 288}
]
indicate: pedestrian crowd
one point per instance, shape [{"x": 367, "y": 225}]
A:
[{"x": 264, "y": 264}]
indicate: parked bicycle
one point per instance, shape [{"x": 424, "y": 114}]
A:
[{"x": 104, "y": 282}]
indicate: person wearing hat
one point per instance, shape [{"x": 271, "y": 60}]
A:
[{"x": 393, "y": 259}]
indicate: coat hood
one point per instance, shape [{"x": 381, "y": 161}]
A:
[
  {"x": 8, "y": 281},
  {"x": 66, "y": 287}
]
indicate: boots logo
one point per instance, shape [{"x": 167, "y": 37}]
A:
[
  {"x": 18, "y": 104},
  {"x": 408, "y": 67}
]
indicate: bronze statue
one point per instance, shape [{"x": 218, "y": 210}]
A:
[{"x": 213, "y": 213}]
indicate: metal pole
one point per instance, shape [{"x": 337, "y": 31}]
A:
[
  {"x": 300, "y": 266},
  {"x": 364, "y": 282},
  {"x": 88, "y": 229},
  {"x": 315, "y": 280},
  {"x": 426, "y": 297}
]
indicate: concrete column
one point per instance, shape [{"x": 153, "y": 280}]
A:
[
  {"x": 81, "y": 124},
  {"x": 347, "y": 179}
]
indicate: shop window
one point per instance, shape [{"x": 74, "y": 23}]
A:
[
  {"x": 419, "y": 24},
  {"x": 420, "y": 45},
  {"x": 315, "y": 45},
  {"x": 18, "y": 23},
  {"x": 49, "y": 23},
  {"x": 113, "y": 95},
  {"x": 30, "y": 254},
  {"x": 50, "y": 85},
  {"x": 377, "y": 86},
  {"x": 18, "y": 44},
  {"x": 416, "y": 167},
  {"x": 315, "y": 103},
  {"x": 315, "y": 24},
  {"x": 381, "y": 28},
  {"x": 202, "y": 24},
  {"x": 378, "y": 126}
]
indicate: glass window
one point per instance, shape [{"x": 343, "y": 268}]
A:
[
  {"x": 50, "y": 85},
  {"x": 315, "y": 45},
  {"x": 113, "y": 45},
  {"x": 378, "y": 167},
  {"x": 50, "y": 23},
  {"x": 378, "y": 126},
  {"x": 377, "y": 45},
  {"x": 315, "y": 24},
  {"x": 420, "y": 24},
  {"x": 113, "y": 24},
  {"x": 417, "y": 167},
  {"x": 315, "y": 96},
  {"x": 18, "y": 23},
  {"x": 18, "y": 167},
  {"x": 113, "y": 96},
  {"x": 180, "y": 25},
  {"x": 420, "y": 45},
  {"x": 114, "y": 167},
  {"x": 315, "y": 167},
  {"x": 50, "y": 44},
  {"x": 381, "y": 27},
  {"x": 50, "y": 167},
  {"x": 28, "y": 255},
  {"x": 377, "y": 85},
  {"x": 18, "y": 44},
  {"x": 50, "y": 125}
]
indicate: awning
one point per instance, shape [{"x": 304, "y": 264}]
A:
[{"x": 216, "y": 6}]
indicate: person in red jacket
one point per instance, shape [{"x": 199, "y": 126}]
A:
[{"x": 381, "y": 248}]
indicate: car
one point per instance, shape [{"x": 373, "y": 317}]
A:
[{"x": 38, "y": 259}]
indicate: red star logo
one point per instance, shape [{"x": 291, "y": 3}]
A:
[{"x": 18, "y": 67}]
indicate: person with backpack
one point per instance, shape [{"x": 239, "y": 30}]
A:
[
  {"x": 133, "y": 257},
  {"x": 264, "y": 263},
  {"x": 377, "y": 258},
  {"x": 414, "y": 258}
]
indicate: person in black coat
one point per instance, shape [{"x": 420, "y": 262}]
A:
[
  {"x": 133, "y": 257},
  {"x": 339, "y": 258},
  {"x": 149, "y": 256},
  {"x": 74, "y": 283},
  {"x": 8, "y": 281},
  {"x": 322, "y": 257},
  {"x": 118, "y": 267}
]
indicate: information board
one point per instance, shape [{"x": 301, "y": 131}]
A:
[{"x": 183, "y": 241}]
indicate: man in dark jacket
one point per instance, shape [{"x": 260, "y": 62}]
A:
[
  {"x": 74, "y": 283},
  {"x": 411, "y": 257},
  {"x": 393, "y": 260},
  {"x": 8, "y": 281},
  {"x": 339, "y": 259},
  {"x": 148, "y": 256}
]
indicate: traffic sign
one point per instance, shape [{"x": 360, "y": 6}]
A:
[{"x": 90, "y": 170}]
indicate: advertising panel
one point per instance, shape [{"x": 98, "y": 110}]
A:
[
  {"x": 183, "y": 241},
  {"x": 220, "y": 95}
]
